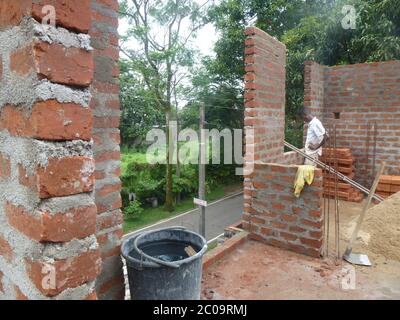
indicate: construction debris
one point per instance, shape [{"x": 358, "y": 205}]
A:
[{"x": 346, "y": 165}]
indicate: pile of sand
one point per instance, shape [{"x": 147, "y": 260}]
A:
[{"x": 380, "y": 232}]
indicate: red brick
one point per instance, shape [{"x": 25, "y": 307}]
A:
[
  {"x": 250, "y": 227},
  {"x": 48, "y": 120},
  {"x": 315, "y": 234},
  {"x": 72, "y": 14},
  {"x": 279, "y": 225},
  {"x": 111, "y": 253},
  {"x": 315, "y": 213},
  {"x": 296, "y": 229},
  {"x": 289, "y": 218},
  {"x": 278, "y": 206},
  {"x": 12, "y": 12},
  {"x": 296, "y": 248},
  {"x": 288, "y": 236},
  {"x": 112, "y": 4},
  {"x": 113, "y": 104},
  {"x": 113, "y": 40},
  {"x": 97, "y": 16},
  {"x": 108, "y": 285},
  {"x": 66, "y": 176},
  {"x": 5, "y": 249},
  {"x": 107, "y": 189},
  {"x": 109, "y": 220},
  {"x": 70, "y": 273},
  {"x": 91, "y": 296},
  {"x": 22, "y": 61},
  {"x": 105, "y": 87},
  {"x": 76, "y": 64},
  {"x": 317, "y": 224},
  {"x": 116, "y": 137},
  {"x": 278, "y": 243},
  {"x": 297, "y": 210},
  {"x": 107, "y": 155},
  {"x": 266, "y": 231},
  {"x": 106, "y": 122},
  {"x": 257, "y": 220},
  {"x": 104, "y": 238},
  {"x": 311, "y": 242},
  {"x": 19, "y": 295},
  {"x": 53, "y": 227},
  {"x": 5, "y": 166}
]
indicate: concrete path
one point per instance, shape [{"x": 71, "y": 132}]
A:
[{"x": 219, "y": 215}]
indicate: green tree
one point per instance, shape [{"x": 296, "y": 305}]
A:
[
  {"x": 139, "y": 112},
  {"x": 311, "y": 30},
  {"x": 161, "y": 31}
]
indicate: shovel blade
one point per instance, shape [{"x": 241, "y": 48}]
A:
[{"x": 358, "y": 259}]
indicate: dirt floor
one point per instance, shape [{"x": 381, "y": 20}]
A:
[{"x": 258, "y": 271}]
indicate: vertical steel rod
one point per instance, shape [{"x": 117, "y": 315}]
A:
[{"x": 202, "y": 170}]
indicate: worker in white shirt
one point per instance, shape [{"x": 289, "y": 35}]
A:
[{"x": 316, "y": 137}]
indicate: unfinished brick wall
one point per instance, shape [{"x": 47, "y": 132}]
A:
[
  {"x": 360, "y": 94},
  {"x": 265, "y": 65},
  {"x": 275, "y": 216},
  {"x": 272, "y": 213},
  {"x": 106, "y": 135},
  {"x": 53, "y": 237}
]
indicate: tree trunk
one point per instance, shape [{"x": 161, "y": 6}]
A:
[{"x": 169, "y": 200}]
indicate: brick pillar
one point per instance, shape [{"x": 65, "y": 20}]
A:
[
  {"x": 313, "y": 91},
  {"x": 272, "y": 213},
  {"x": 265, "y": 59},
  {"x": 48, "y": 247},
  {"x": 314, "y": 88},
  {"x": 106, "y": 111}
]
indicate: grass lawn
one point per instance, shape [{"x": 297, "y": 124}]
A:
[{"x": 153, "y": 215}]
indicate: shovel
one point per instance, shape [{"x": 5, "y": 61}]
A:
[{"x": 358, "y": 258}]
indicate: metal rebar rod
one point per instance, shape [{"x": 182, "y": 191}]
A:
[
  {"x": 329, "y": 168},
  {"x": 336, "y": 197}
]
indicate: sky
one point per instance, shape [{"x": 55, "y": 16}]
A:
[{"x": 205, "y": 40}]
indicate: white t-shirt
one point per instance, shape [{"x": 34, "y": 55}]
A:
[{"x": 315, "y": 135}]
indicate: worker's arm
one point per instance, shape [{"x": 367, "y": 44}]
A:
[{"x": 313, "y": 146}]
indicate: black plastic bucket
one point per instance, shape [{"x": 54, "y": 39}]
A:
[{"x": 159, "y": 268}]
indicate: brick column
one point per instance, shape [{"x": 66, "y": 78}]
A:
[
  {"x": 314, "y": 88},
  {"x": 272, "y": 213},
  {"x": 106, "y": 111},
  {"x": 265, "y": 59},
  {"x": 48, "y": 247}
]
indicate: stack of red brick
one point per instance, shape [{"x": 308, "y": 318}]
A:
[
  {"x": 388, "y": 185},
  {"x": 344, "y": 160}
]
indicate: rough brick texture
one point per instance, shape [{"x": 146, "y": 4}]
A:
[
  {"x": 71, "y": 14},
  {"x": 275, "y": 216},
  {"x": 265, "y": 60},
  {"x": 272, "y": 213},
  {"x": 48, "y": 215},
  {"x": 105, "y": 107},
  {"x": 361, "y": 95}
]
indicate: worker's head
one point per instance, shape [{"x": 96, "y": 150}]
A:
[{"x": 306, "y": 115}]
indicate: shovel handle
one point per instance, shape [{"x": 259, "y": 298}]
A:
[{"x": 364, "y": 211}]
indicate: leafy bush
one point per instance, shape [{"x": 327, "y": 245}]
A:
[{"x": 134, "y": 208}]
